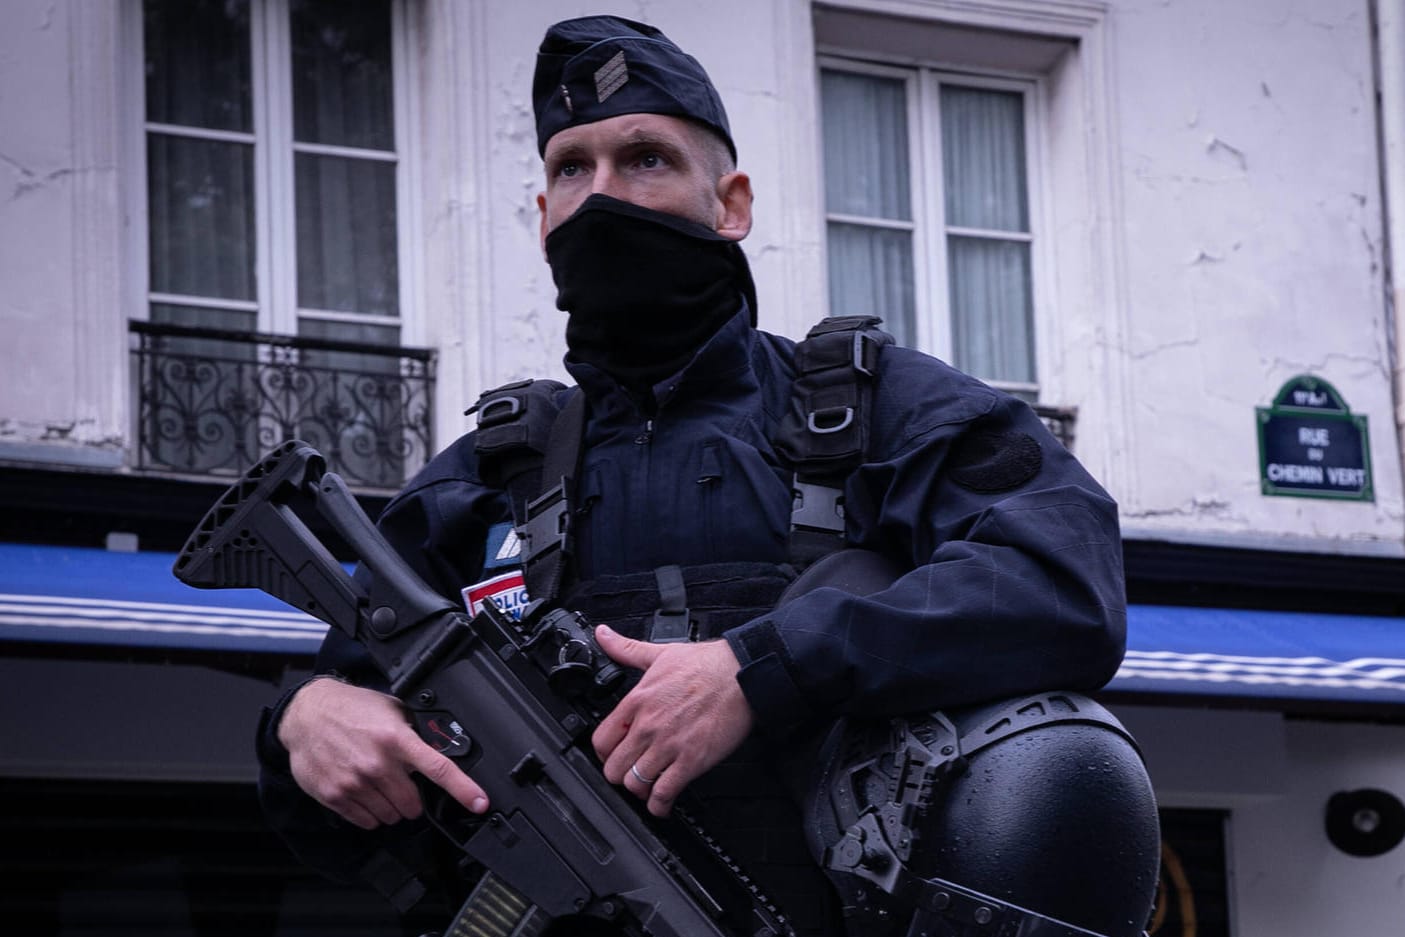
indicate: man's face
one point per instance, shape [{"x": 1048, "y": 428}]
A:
[{"x": 650, "y": 160}]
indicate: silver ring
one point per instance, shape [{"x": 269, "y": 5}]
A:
[{"x": 634, "y": 770}]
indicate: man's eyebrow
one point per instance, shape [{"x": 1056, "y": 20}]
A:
[
  {"x": 643, "y": 137},
  {"x": 566, "y": 151}
]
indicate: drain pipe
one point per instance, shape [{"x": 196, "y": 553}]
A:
[{"x": 1390, "y": 30}]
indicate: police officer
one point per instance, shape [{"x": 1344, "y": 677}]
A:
[{"x": 1011, "y": 583}]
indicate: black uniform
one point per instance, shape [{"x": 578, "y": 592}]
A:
[{"x": 1015, "y": 581}]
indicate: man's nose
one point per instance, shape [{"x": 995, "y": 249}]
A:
[{"x": 605, "y": 181}]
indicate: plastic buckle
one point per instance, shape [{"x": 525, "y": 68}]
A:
[
  {"x": 818, "y": 421},
  {"x": 817, "y": 507},
  {"x": 489, "y": 413},
  {"x": 548, "y": 523},
  {"x": 671, "y": 627},
  {"x": 862, "y": 342}
]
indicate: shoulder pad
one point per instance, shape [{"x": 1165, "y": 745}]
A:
[{"x": 514, "y": 424}]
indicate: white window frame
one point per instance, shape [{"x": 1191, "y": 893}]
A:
[
  {"x": 275, "y": 221},
  {"x": 932, "y": 303},
  {"x": 1082, "y": 327}
]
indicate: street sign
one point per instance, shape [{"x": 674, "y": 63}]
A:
[{"x": 1311, "y": 445}]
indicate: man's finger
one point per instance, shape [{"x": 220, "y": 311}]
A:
[
  {"x": 443, "y": 773},
  {"x": 627, "y": 651}
]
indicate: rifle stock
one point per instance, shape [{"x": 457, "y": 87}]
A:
[{"x": 511, "y": 703}]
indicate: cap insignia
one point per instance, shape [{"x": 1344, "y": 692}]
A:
[{"x": 611, "y": 76}]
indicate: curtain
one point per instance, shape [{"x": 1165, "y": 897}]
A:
[
  {"x": 346, "y": 212},
  {"x": 867, "y": 176},
  {"x": 984, "y": 177},
  {"x": 200, "y": 191}
]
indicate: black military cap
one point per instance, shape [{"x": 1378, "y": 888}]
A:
[{"x": 596, "y": 67}]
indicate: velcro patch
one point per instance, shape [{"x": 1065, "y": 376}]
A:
[
  {"x": 990, "y": 462},
  {"x": 503, "y": 549},
  {"x": 507, "y": 591}
]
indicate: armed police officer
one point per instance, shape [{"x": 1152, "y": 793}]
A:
[{"x": 682, "y": 490}]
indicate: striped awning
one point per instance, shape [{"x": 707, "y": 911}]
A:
[
  {"x": 96, "y": 597},
  {"x": 1247, "y": 652}
]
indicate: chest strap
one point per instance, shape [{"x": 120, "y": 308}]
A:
[{"x": 825, "y": 433}]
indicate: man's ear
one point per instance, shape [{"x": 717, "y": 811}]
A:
[
  {"x": 734, "y": 209},
  {"x": 541, "y": 207}
]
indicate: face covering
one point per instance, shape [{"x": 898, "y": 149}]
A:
[{"x": 644, "y": 289}]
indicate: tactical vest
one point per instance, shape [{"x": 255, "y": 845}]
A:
[
  {"x": 762, "y": 803},
  {"x": 530, "y": 446}
]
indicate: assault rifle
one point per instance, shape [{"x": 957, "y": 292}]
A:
[{"x": 511, "y": 702}]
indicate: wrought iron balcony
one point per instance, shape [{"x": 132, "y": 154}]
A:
[
  {"x": 211, "y": 402},
  {"x": 1060, "y": 421}
]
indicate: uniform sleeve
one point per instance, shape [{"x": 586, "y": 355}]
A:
[
  {"x": 1015, "y": 580},
  {"x": 438, "y": 524}
]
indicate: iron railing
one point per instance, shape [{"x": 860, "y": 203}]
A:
[
  {"x": 1060, "y": 421},
  {"x": 212, "y": 402}
]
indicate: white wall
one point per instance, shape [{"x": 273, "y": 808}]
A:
[
  {"x": 1289, "y": 881},
  {"x": 1225, "y": 233},
  {"x": 1253, "y": 244},
  {"x": 1274, "y": 776},
  {"x": 62, "y": 388}
]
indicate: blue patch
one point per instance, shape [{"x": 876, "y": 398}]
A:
[{"x": 503, "y": 549}]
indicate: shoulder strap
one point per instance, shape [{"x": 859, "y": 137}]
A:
[
  {"x": 514, "y": 426},
  {"x": 527, "y": 442},
  {"x": 824, "y": 434},
  {"x": 545, "y": 529}
]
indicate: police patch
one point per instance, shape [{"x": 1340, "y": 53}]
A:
[
  {"x": 990, "y": 462},
  {"x": 507, "y": 591}
]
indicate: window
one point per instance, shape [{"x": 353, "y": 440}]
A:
[
  {"x": 274, "y": 184},
  {"x": 928, "y": 212},
  {"x": 272, "y": 164}
]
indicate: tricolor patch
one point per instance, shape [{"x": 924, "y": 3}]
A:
[{"x": 507, "y": 591}]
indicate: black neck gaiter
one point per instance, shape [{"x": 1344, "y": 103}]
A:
[{"x": 644, "y": 289}]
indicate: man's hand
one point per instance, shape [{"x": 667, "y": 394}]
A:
[
  {"x": 352, "y": 750},
  {"x": 685, "y": 715}
]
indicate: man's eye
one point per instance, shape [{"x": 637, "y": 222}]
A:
[
  {"x": 568, "y": 169},
  {"x": 651, "y": 161}
]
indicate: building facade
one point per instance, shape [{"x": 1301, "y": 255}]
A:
[{"x": 1175, "y": 227}]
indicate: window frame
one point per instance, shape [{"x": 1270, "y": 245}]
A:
[
  {"x": 275, "y": 302},
  {"x": 930, "y": 232}
]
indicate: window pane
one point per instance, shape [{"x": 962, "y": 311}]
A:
[
  {"x": 991, "y": 309},
  {"x": 346, "y": 235},
  {"x": 228, "y": 320},
  {"x": 341, "y": 73},
  {"x": 201, "y": 207},
  {"x": 197, "y": 63},
  {"x": 984, "y": 158},
  {"x": 870, "y": 273},
  {"x": 865, "y": 146}
]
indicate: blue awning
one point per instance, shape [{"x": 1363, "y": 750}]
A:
[
  {"x": 96, "y": 597},
  {"x": 1218, "y": 652},
  {"x": 79, "y": 596}
]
